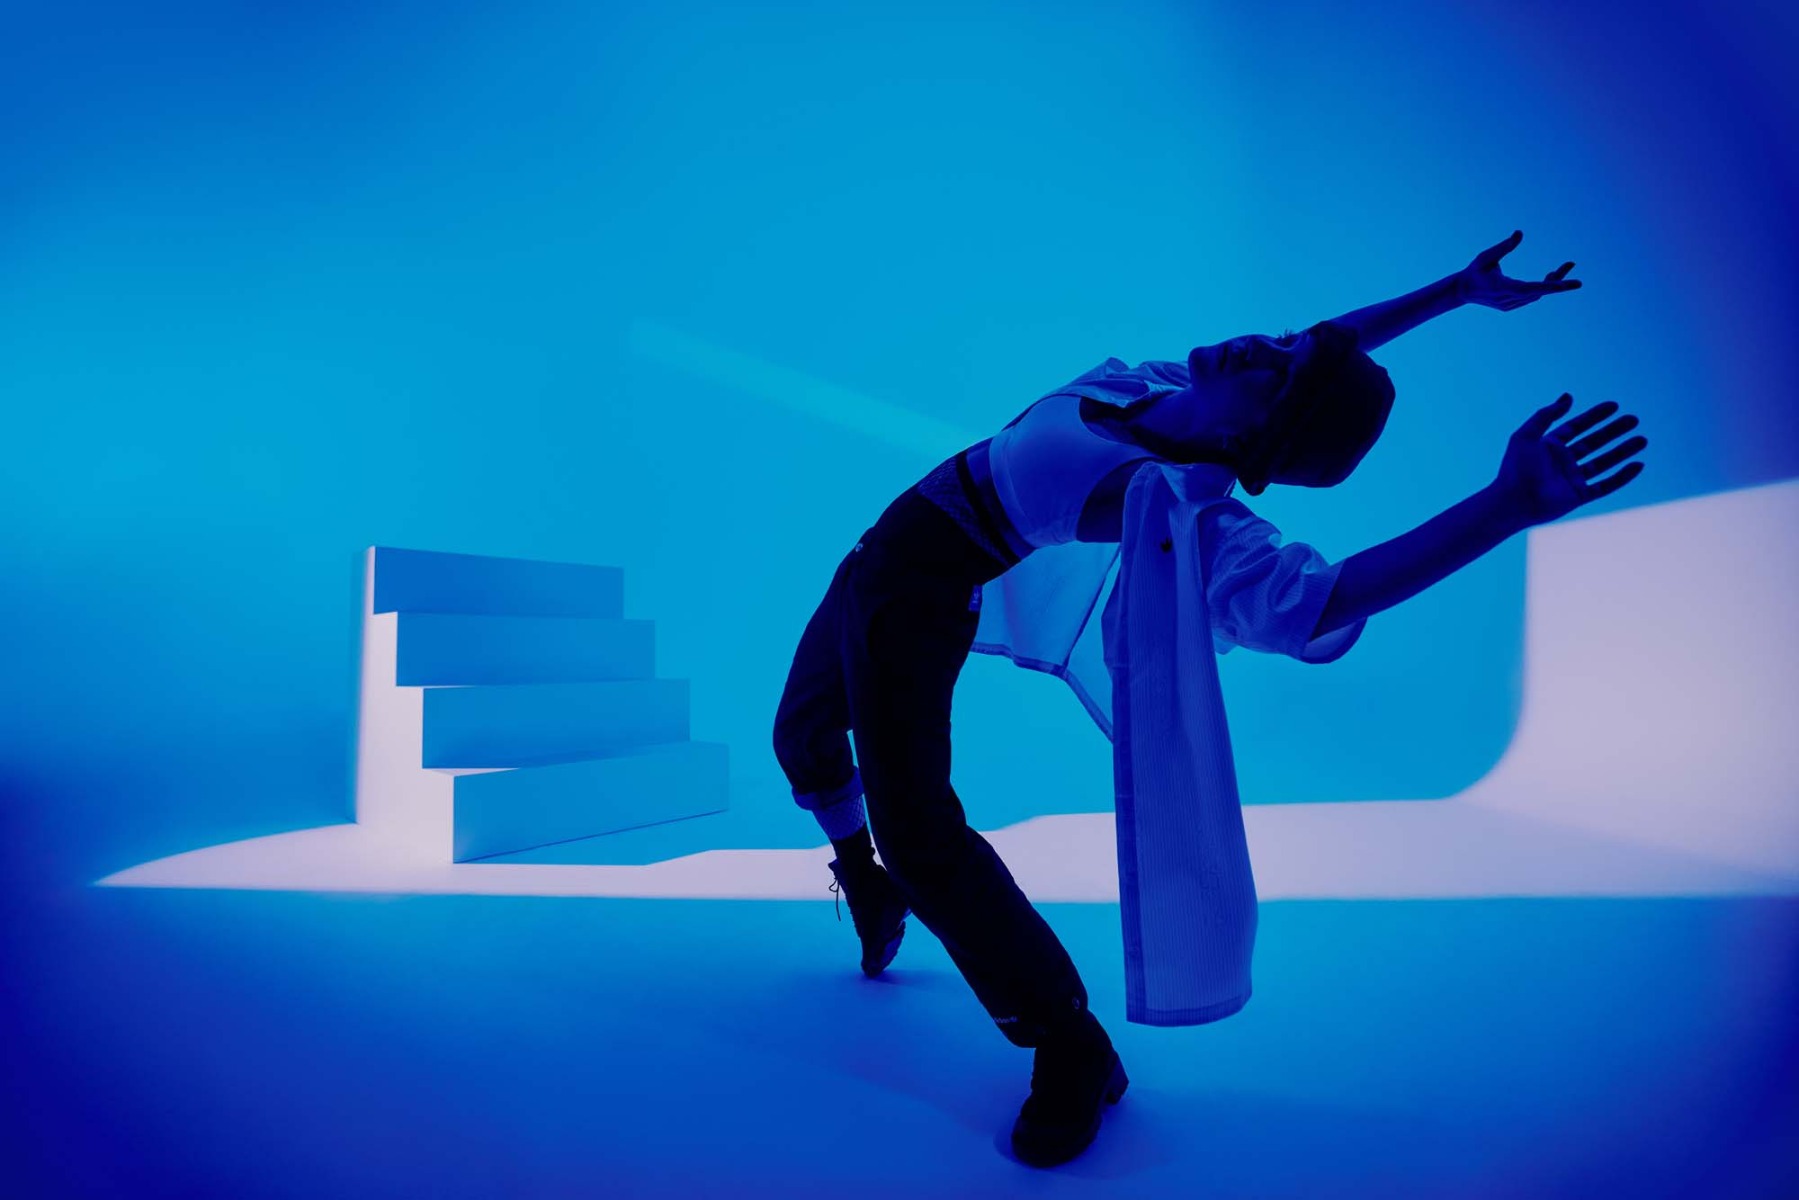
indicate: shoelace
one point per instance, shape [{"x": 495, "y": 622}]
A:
[{"x": 837, "y": 891}]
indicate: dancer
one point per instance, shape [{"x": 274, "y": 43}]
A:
[{"x": 879, "y": 658}]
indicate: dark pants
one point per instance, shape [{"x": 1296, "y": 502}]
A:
[{"x": 880, "y": 658}]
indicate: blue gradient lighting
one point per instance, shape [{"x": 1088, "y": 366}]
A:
[{"x": 694, "y": 290}]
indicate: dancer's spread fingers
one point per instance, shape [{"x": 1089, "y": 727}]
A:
[
  {"x": 1576, "y": 426},
  {"x": 1492, "y": 254},
  {"x": 1612, "y": 457},
  {"x": 1612, "y": 483},
  {"x": 1594, "y": 441}
]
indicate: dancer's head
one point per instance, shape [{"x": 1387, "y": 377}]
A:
[
  {"x": 1328, "y": 412},
  {"x": 1301, "y": 409}
]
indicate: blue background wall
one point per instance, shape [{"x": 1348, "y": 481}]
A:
[
  {"x": 281, "y": 281},
  {"x": 285, "y": 281}
]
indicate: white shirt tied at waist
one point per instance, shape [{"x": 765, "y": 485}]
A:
[
  {"x": 1132, "y": 628},
  {"x": 1046, "y": 465}
]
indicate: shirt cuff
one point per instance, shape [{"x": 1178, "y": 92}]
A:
[{"x": 1336, "y": 643}]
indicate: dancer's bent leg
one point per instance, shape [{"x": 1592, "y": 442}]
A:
[
  {"x": 811, "y": 735},
  {"x": 906, "y": 636},
  {"x": 812, "y": 743}
]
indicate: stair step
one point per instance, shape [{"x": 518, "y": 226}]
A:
[
  {"x": 516, "y": 725},
  {"x": 500, "y": 812},
  {"x": 434, "y": 582},
  {"x": 439, "y": 649}
]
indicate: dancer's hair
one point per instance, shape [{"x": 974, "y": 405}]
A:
[{"x": 1326, "y": 418}]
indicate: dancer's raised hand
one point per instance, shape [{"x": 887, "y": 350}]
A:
[
  {"x": 1549, "y": 473},
  {"x": 1482, "y": 282}
]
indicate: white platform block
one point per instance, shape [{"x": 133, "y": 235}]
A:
[
  {"x": 459, "y": 650},
  {"x": 513, "y": 725},
  {"x": 500, "y": 812},
  {"x": 434, "y": 582}
]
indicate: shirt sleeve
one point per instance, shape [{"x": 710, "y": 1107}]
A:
[
  {"x": 1263, "y": 595},
  {"x": 1115, "y": 382},
  {"x": 1165, "y": 375}
]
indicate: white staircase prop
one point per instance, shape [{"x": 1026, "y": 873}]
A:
[
  {"x": 507, "y": 704},
  {"x": 1655, "y": 756}
]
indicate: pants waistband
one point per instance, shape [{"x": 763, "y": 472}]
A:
[{"x": 975, "y": 469}]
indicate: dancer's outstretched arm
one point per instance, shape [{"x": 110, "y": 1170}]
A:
[
  {"x": 1545, "y": 475},
  {"x": 1480, "y": 282}
]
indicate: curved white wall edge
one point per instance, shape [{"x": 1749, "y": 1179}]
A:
[{"x": 1654, "y": 756}]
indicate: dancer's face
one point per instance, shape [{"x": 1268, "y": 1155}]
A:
[
  {"x": 1240, "y": 392},
  {"x": 1235, "y": 382},
  {"x": 1238, "y": 405}
]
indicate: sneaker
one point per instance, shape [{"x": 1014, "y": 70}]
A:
[
  {"x": 877, "y": 907},
  {"x": 1076, "y": 1074}
]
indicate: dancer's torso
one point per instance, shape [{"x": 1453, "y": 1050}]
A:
[
  {"x": 1058, "y": 473},
  {"x": 1059, "y": 478}
]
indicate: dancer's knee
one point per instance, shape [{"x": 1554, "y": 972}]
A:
[
  {"x": 813, "y": 759},
  {"x": 790, "y": 733},
  {"x": 787, "y": 745}
]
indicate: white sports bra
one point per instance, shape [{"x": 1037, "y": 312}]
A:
[{"x": 1046, "y": 465}]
